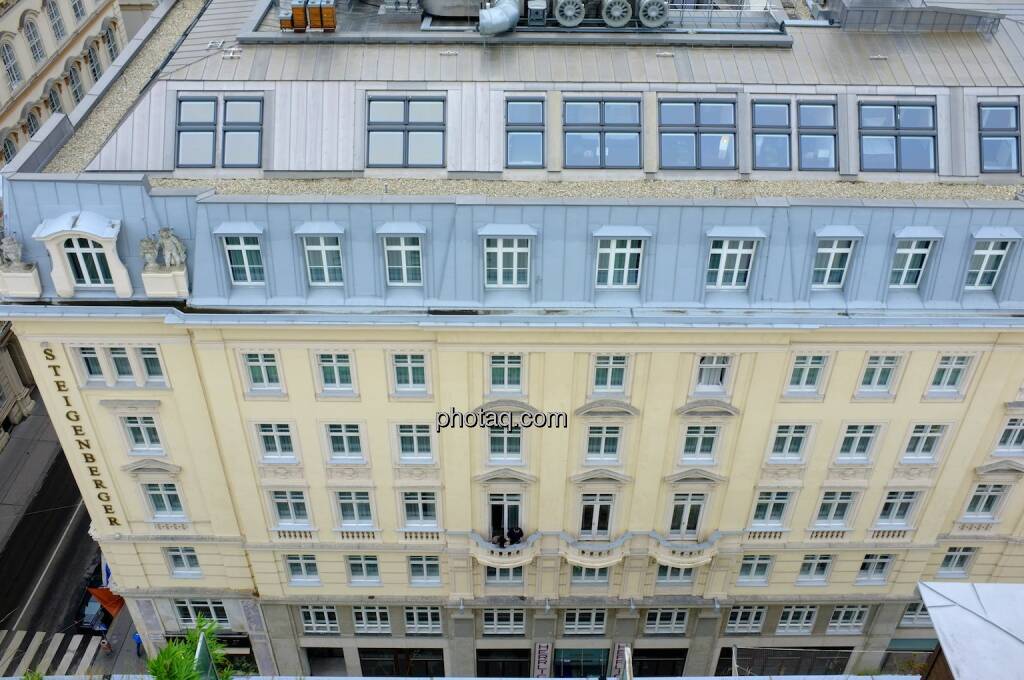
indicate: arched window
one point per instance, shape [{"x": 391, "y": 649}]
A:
[
  {"x": 32, "y": 122},
  {"x": 78, "y": 7},
  {"x": 35, "y": 44},
  {"x": 10, "y": 149},
  {"x": 75, "y": 82},
  {"x": 88, "y": 262},
  {"x": 56, "y": 20},
  {"x": 94, "y": 64},
  {"x": 110, "y": 37},
  {"x": 53, "y": 100},
  {"x": 10, "y": 65}
]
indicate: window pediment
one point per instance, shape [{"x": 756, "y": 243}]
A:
[
  {"x": 507, "y": 405},
  {"x": 79, "y": 223},
  {"x": 505, "y": 476},
  {"x": 1000, "y": 468},
  {"x": 601, "y": 476},
  {"x": 694, "y": 476},
  {"x": 708, "y": 408},
  {"x": 607, "y": 407},
  {"x": 151, "y": 467}
]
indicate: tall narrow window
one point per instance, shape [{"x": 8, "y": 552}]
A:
[
  {"x": 601, "y": 134},
  {"x": 90, "y": 363},
  {"x": 35, "y": 43},
  {"x": 908, "y": 263},
  {"x": 403, "y": 257},
  {"x": 110, "y": 40},
  {"x": 897, "y": 137},
  {"x": 53, "y": 100},
  {"x": 697, "y": 135},
  {"x": 999, "y": 137},
  {"x": 618, "y": 262},
  {"x": 197, "y": 126},
  {"x": 10, "y": 148},
  {"x": 56, "y": 20},
  {"x": 151, "y": 366},
  {"x": 771, "y": 135},
  {"x": 32, "y": 123},
  {"x": 11, "y": 67},
  {"x": 686, "y": 512},
  {"x": 88, "y": 262},
  {"x": 817, "y": 136},
  {"x": 245, "y": 260},
  {"x": 243, "y": 133},
  {"x": 323, "y": 260},
  {"x": 729, "y": 264},
  {"x": 596, "y": 515},
  {"x": 986, "y": 261},
  {"x": 831, "y": 263},
  {"x": 405, "y": 132},
  {"x": 75, "y": 84},
  {"x": 95, "y": 67},
  {"x": 507, "y": 262},
  {"x": 524, "y": 133},
  {"x": 78, "y": 9}
]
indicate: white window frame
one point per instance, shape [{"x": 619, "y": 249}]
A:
[
  {"x": 665, "y": 621},
  {"x": 289, "y": 498},
  {"x": 1011, "y": 437},
  {"x": 875, "y": 568},
  {"x": 423, "y": 621},
  {"x": 684, "y": 504},
  {"x": 363, "y": 569},
  {"x": 503, "y": 575},
  {"x": 622, "y": 260},
  {"x": 989, "y": 251},
  {"x": 183, "y": 562},
  {"x": 276, "y": 443},
  {"x": 361, "y": 509},
  {"x": 371, "y": 620},
  {"x": 504, "y": 437},
  {"x": 166, "y": 491},
  {"x": 699, "y": 434},
  {"x": 857, "y": 434},
  {"x": 837, "y": 253},
  {"x": 897, "y": 498},
  {"x": 875, "y": 367},
  {"x": 504, "y": 621},
  {"x": 253, "y": 268},
  {"x": 755, "y": 570},
  {"x": 302, "y": 570},
  {"x": 403, "y": 247},
  {"x": 419, "y": 433},
  {"x": 668, "y": 575},
  {"x": 787, "y": 434},
  {"x": 956, "y": 563},
  {"x": 732, "y": 253},
  {"x": 405, "y": 364},
  {"x": 803, "y": 369},
  {"x": 924, "y": 436},
  {"x": 598, "y": 501},
  {"x": 321, "y": 246},
  {"x": 344, "y": 433},
  {"x": 505, "y": 364},
  {"x": 996, "y": 492},
  {"x": 796, "y": 620},
  {"x": 422, "y": 568},
  {"x": 717, "y": 364},
  {"x": 583, "y": 621},
  {"x": 518, "y": 248},
  {"x": 86, "y": 256},
  {"x": 318, "y": 619},
  {"x": 943, "y": 383},
  {"x": 771, "y": 499},
  {"x": 840, "y": 508},
  {"x": 336, "y": 364},
  {"x": 746, "y": 619},
  {"x": 149, "y": 432},
  {"x": 814, "y": 563},
  {"x": 606, "y": 368},
  {"x": 847, "y": 620},
  {"x": 606, "y": 436},
  {"x": 902, "y": 276},
  {"x": 589, "y": 575},
  {"x": 422, "y": 500},
  {"x": 193, "y": 607},
  {"x": 916, "y": 616},
  {"x": 268, "y": 367}
]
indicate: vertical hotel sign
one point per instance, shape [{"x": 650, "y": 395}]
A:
[{"x": 82, "y": 439}]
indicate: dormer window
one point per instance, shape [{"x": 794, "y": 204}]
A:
[{"x": 88, "y": 262}]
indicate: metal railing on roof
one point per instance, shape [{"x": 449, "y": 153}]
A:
[{"x": 721, "y": 14}]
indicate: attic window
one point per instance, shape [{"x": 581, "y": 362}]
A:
[
  {"x": 197, "y": 128},
  {"x": 243, "y": 122}
]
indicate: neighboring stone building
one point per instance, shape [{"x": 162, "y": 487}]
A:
[
  {"x": 51, "y": 53},
  {"x": 15, "y": 384},
  {"x": 772, "y": 274}
]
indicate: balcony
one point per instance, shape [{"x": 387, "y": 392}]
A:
[{"x": 517, "y": 555}]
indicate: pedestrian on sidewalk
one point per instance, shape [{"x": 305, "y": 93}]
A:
[
  {"x": 138, "y": 643},
  {"x": 105, "y": 646}
]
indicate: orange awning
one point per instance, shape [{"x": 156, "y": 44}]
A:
[{"x": 112, "y": 602}]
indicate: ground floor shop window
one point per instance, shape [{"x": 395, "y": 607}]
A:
[
  {"x": 328, "y": 661},
  {"x": 580, "y": 663},
  {"x": 661, "y": 663},
  {"x": 407, "y": 663},
  {"x": 810, "y": 661},
  {"x": 503, "y": 663}
]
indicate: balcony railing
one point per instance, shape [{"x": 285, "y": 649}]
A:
[
  {"x": 516, "y": 555},
  {"x": 293, "y": 534},
  {"x": 833, "y": 534}
]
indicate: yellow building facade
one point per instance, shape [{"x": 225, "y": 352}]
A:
[{"x": 780, "y": 454}]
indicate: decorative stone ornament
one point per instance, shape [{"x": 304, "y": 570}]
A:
[
  {"x": 169, "y": 280},
  {"x": 17, "y": 279}
]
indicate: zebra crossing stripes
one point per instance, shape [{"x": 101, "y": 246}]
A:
[
  {"x": 69, "y": 656},
  {"x": 30, "y": 653},
  {"x": 90, "y": 652},
  {"x": 22, "y": 651},
  {"x": 51, "y": 651},
  {"x": 12, "y": 648}
]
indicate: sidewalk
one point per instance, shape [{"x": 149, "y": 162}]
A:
[
  {"x": 24, "y": 463},
  {"x": 122, "y": 660}
]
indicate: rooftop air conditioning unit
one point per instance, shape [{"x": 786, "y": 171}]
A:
[
  {"x": 570, "y": 13},
  {"x": 536, "y": 12},
  {"x": 653, "y": 13},
  {"x": 616, "y": 13},
  {"x": 315, "y": 15},
  {"x": 299, "y": 16}
]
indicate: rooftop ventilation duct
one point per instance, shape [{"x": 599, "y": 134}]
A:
[{"x": 500, "y": 17}]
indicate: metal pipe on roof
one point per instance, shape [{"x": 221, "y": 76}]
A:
[{"x": 501, "y": 17}]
